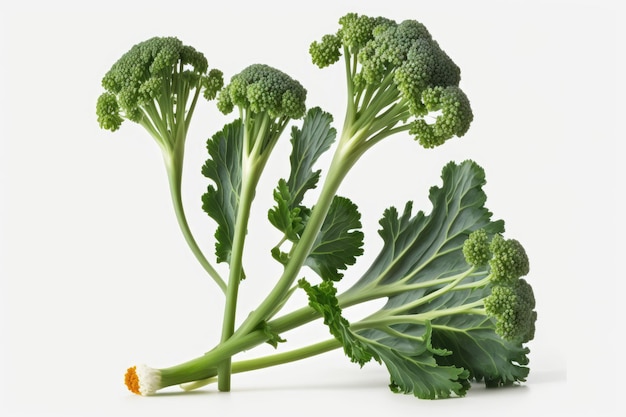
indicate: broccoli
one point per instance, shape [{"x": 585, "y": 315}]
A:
[
  {"x": 458, "y": 305},
  {"x": 157, "y": 84},
  {"x": 267, "y": 99},
  {"x": 397, "y": 76}
]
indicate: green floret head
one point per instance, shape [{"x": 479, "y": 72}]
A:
[
  {"x": 390, "y": 47},
  {"x": 398, "y": 77},
  {"x": 476, "y": 248},
  {"x": 408, "y": 50},
  {"x": 509, "y": 261},
  {"x": 513, "y": 308},
  {"x": 152, "y": 70},
  {"x": 108, "y": 112},
  {"x": 454, "y": 119},
  {"x": 357, "y": 30},
  {"x": 261, "y": 88},
  {"x": 354, "y": 33},
  {"x": 425, "y": 66},
  {"x": 326, "y": 52},
  {"x": 213, "y": 83}
]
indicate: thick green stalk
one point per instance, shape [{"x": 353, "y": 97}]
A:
[
  {"x": 256, "y": 152},
  {"x": 206, "y": 365},
  {"x": 250, "y": 178}
]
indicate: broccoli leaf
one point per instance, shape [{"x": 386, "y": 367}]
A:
[
  {"x": 221, "y": 199},
  {"x": 283, "y": 215},
  {"x": 413, "y": 367},
  {"x": 273, "y": 338},
  {"x": 410, "y": 360},
  {"x": 322, "y": 298},
  {"x": 421, "y": 248},
  {"x": 461, "y": 341},
  {"x": 339, "y": 241},
  {"x": 474, "y": 346},
  {"x": 428, "y": 349},
  {"x": 308, "y": 144}
]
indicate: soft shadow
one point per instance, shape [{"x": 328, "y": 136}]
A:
[{"x": 181, "y": 392}]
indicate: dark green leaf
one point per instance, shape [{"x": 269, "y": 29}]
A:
[
  {"x": 434, "y": 357},
  {"x": 339, "y": 241},
  {"x": 322, "y": 298},
  {"x": 280, "y": 256},
  {"x": 308, "y": 145},
  {"x": 427, "y": 247},
  {"x": 273, "y": 338},
  {"x": 475, "y": 346},
  {"x": 285, "y": 218},
  {"x": 413, "y": 367},
  {"x": 221, "y": 199}
]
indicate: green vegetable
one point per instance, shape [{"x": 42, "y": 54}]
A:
[
  {"x": 458, "y": 307},
  {"x": 267, "y": 100},
  {"x": 157, "y": 84}
]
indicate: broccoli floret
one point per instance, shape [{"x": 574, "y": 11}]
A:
[
  {"x": 397, "y": 75},
  {"x": 509, "y": 261},
  {"x": 476, "y": 249},
  {"x": 108, "y": 111},
  {"x": 511, "y": 300},
  {"x": 156, "y": 84},
  {"x": 513, "y": 308},
  {"x": 267, "y": 100},
  {"x": 454, "y": 120}
]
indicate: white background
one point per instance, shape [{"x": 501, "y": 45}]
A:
[{"x": 95, "y": 276}]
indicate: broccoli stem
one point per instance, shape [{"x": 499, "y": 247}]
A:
[
  {"x": 259, "y": 141},
  {"x": 271, "y": 360},
  {"x": 208, "y": 366},
  {"x": 250, "y": 179},
  {"x": 386, "y": 318},
  {"x": 286, "y": 357},
  {"x": 174, "y": 173},
  {"x": 169, "y": 130}
]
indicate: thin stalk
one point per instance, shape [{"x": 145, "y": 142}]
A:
[
  {"x": 153, "y": 122},
  {"x": 286, "y": 357},
  {"x": 425, "y": 299},
  {"x": 379, "y": 94},
  {"x": 174, "y": 176},
  {"x": 351, "y": 107},
  {"x": 192, "y": 106},
  {"x": 375, "y": 291},
  {"x": 271, "y": 360},
  {"x": 377, "y": 321},
  {"x": 250, "y": 178}
]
